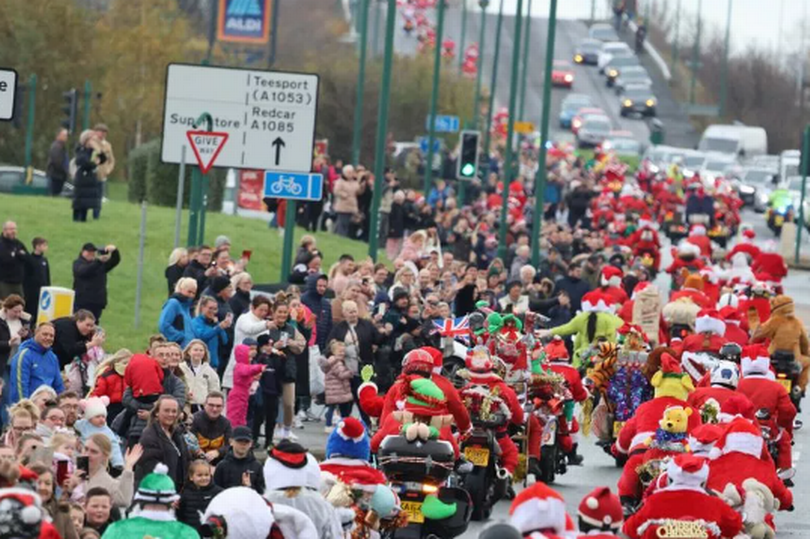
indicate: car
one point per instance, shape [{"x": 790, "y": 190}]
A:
[
  {"x": 571, "y": 105},
  {"x": 579, "y": 117},
  {"x": 587, "y": 52},
  {"x": 622, "y": 143},
  {"x": 612, "y": 50},
  {"x": 595, "y": 129},
  {"x": 562, "y": 74},
  {"x": 756, "y": 184},
  {"x": 637, "y": 99},
  {"x": 662, "y": 156},
  {"x": 603, "y": 32},
  {"x": 614, "y": 67},
  {"x": 717, "y": 165},
  {"x": 692, "y": 162},
  {"x": 13, "y": 180},
  {"x": 635, "y": 75}
]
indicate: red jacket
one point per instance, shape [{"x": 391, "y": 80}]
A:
[
  {"x": 703, "y": 242},
  {"x": 735, "y": 334},
  {"x": 772, "y": 263},
  {"x": 144, "y": 376},
  {"x": 770, "y": 394},
  {"x": 736, "y": 467},
  {"x": 617, "y": 293},
  {"x": 646, "y": 420},
  {"x": 111, "y": 384},
  {"x": 572, "y": 378},
  {"x": 683, "y": 504},
  {"x": 702, "y": 394}
]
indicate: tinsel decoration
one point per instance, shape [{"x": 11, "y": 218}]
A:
[
  {"x": 709, "y": 412},
  {"x": 585, "y": 416},
  {"x": 627, "y": 390},
  {"x": 649, "y": 471}
]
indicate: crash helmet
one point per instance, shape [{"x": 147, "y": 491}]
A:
[
  {"x": 732, "y": 352},
  {"x": 725, "y": 373},
  {"x": 477, "y": 321}
]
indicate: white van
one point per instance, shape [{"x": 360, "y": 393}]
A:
[
  {"x": 741, "y": 140},
  {"x": 789, "y": 163}
]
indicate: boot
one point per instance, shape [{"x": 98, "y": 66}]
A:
[
  {"x": 573, "y": 458},
  {"x": 534, "y": 467},
  {"x": 628, "y": 505}
]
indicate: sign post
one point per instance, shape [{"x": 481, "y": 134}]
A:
[{"x": 206, "y": 146}]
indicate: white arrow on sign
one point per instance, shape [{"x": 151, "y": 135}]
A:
[{"x": 206, "y": 146}]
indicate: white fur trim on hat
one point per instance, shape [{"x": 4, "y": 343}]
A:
[
  {"x": 677, "y": 475},
  {"x": 686, "y": 248},
  {"x": 755, "y": 365},
  {"x": 743, "y": 442},
  {"x": 714, "y": 325},
  {"x": 538, "y": 514}
]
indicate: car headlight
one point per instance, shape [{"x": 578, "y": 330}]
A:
[
  {"x": 747, "y": 189},
  {"x": 576, "y": 123},
  {"x": 613, "y": 73},
  {"x": 578, "y": 58},
  {"x": 651, "y": 102},
  {"x": 628, "y": 103}
]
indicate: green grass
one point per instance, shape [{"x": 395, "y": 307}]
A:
[{"x": 119, "y": 225}]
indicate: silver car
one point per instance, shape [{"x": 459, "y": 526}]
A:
[
  {"x": 595, "y": 129},
  {"x": 756, "y": 185}
]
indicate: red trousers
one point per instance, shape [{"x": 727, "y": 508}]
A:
[
  {"x": 629, "y": 484},
  {"x": 509, "y": 454}
]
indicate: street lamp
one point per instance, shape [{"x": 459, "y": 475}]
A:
[
  {"x": 480, "y": 65},
  {"x": 361, "y": 83},
  {"x": 434, "y": 96}
]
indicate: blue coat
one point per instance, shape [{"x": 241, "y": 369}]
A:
[
  {"x": 175, "y": 320},
  {"x": 212, "y": 335},
  {"x": 31, "y": 367}
]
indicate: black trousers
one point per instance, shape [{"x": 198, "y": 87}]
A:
[
  {"x": 94, "y": 308},
  {"x": 80, "y": 216},
  {"x": 267, "y": 414}
]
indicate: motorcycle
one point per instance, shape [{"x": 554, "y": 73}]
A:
[
  {"x": 776, "y": 217},
  {"x": 420, "y": 469},
  {"x": 547, "y": 393},
  {"x": 787, "y": 373}
]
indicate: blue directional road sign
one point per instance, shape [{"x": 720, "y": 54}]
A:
[
  {"x": 292, "y": 186},
  {"x": 444, "y": 124},
  {"x": 423, "y": 144}
]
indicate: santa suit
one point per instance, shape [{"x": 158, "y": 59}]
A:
[
  {"x": 572, "y": 378},
  {"x": 691, "y": 264},
  {"x": 698, "y": 297},
  {"x": 518, "y": 362},
  {"x": 683, "y": 503},
  {"x": 748, "y": 248},
  {"x": 767, "y": 393},
  {"x": 736, "y": 466},
  {"x": 701, "y": 395},
  {"x": 645, "y": 421},
  {"x": 618, "y": 294},
  {"x": 772, "y": 263},
  {"x": 703, "y": 242},
  {"x": 699, "y": 343},
  {"x": 645, "y": 240},
  {"x": 734, "y": 333},
  {"x": 354, "y": 472}
]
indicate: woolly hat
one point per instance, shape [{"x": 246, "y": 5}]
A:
[
  {"x": 95, "y": 406},
  {"x": 219, "y": 283},
  {"x": 21, "y": 513},
  {"x": 349, "y": 440},
  {"x": 693, "y": 281},
  {"x": 740, "y": 436},
  {"x": 688, "y": 470},
  {"x": 286, "y": 466},
  {"x": 242, "y": 511},
  {"x": 597, "y": 301},
  {"x": 709, "y": 320},
  {"x": 157, "y": 487},
  {"x": 538, "y": 507},
  {"x": 438, "y": 358},
  {"x": 601, "y": 508},
  {"x": 755, "y": 360},
  {"x": 425, "y": 398},
  {"x": 611, "y": 276},
  {"x": 418, "y": 360},
  {"x": 556, "y": 350},
  {"x": 703, "y": 438}
]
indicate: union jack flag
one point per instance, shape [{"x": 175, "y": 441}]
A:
[{"x": 453, "y": 327}]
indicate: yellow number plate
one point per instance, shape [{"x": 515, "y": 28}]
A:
[
  {"x": 786, "y": 383},
  {"x": 414, "y": 512},
  {"x": 479, "y": 456},
  {"x": 617, "y": 427},
  {"x": 779, "y": 220}
]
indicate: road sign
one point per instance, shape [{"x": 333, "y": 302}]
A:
[
  {"x": 444, "y": 124},
  {"x": 291, "y": 186},
  {"x": 524, "y": 128},
  {"x": 8, "y": 92},
  {"x": 269, "y": 115},
  {"x": 206, "y": 146},
  {"x": 693, "y": 109},
  {"x": 244, "y": 21},
  {"x": 423, "y": 144}
]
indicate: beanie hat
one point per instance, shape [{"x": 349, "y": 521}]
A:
[
  {"x": 418, "y": 360},
  {"x": 95, "y": 406},
  {"x": 693, "y": 281},
  {"x": 703, "y": 438},
  {"x": 688, "y": 470},
  {"x": 157, "y": 487},
  {"x": 611, "y": 276},
  {"x": 438, "y": 358},
  {"x": 286, "y": 466},
  {"x": 601, "y": 509},
  {"x": 399, "y": 293},
  {"x": 349, "y": 440},
  {"x": 755, "y": 360},
  {"x": 219, "y": 283},
  {"x": 242, "y": 511},
  {"x": 538, "y": 507},
  {"x": 741, "y": 436},
  {"x": 709, "y": 320},
  {"x": 220, "y": 241},
  {"x": 21, "y": 513},
  {"x": 556, "y": 350},
  {"x": 597, "y": 301}
]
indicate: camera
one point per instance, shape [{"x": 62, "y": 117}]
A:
[{"x": 103, "y": 252}]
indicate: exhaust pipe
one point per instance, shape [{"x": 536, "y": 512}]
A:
[{"x": 501, "y": 473}]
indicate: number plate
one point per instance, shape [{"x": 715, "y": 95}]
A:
[
  {"x": 617, "y": 427},
  {"x": 414, "y": 512},
  {"x": 479, "y": 456},
  {"x": 779, "y": 220},
  {"x": 786, "y": 383}
]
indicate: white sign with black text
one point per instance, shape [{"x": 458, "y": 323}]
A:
[{"x": 8, "y": 90}]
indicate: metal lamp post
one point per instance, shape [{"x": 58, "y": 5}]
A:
[{"x": 434, "y": 96}]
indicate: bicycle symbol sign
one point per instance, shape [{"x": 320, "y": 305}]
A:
[{"x": 292, "y": 186}]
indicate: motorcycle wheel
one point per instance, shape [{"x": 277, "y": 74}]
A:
[
  {"x": 548, "y": 463},
  {"x": 479, "y": 489}
]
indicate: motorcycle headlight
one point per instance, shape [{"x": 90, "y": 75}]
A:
[
  {"x": 578, "y": 58},
  {"x": 569, "y": 78}
]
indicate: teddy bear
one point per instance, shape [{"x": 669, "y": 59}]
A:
[
  {"x": 755, "y": 502},
  {"x": 786, "y": 332},
  {"x": 671, "y": 433}
]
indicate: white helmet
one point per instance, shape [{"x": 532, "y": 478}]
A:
[
  {"x": 728, "y": 300},
  {"x": 726, "y": 373}
]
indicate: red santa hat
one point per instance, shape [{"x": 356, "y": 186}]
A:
[
  {"x": 538, "y": 507},
  {"x": 438, "y": 358},
  {"x": 755, "y": 360},
  {"x": 731, "y": 315},
  {"x": 703, "y": 438},
  {"x": 601, "y": 508},
  {"x": 611, "y": 276},
  {"x": 597, "y": 301},
  {"x": 686, "y": 248},
  {"x": 740, "y": 436},
  {"x": 670, "y": 367},
  {"x": 21, "y": 513},
  {"x": 646, "y": 221},
  {"x": 709, "y": 320},
  {"x": 710, "y": 274},
  {"x": 748, "y": 235},
  {"x": 737, "y": 405},
  {"x": 639, "y": 287},
  {"x": 687, "y": 470},
  {"x": 697, "y": 230},
  {"x": 556, "y": 350}
]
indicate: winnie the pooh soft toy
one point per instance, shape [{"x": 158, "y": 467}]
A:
[
  {"x": 786, "y": 332},
  {"x": 671, "y": 433}
]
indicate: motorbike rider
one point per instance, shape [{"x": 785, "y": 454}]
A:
[
  {"x": 759, "y": 385},
  {"x": 786, "y": 332},
  {"x": 745, "y": 245},
  {"x": 600, "y": 515},
  {"x": 697, "y": 236},
  {"x": 559, "y": 363},
  {"x": 708, "y": 337},
  {"x": 645, "y": 240},
  {"x": 724, "y": 378}
]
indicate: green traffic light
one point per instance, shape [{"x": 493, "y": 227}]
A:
[{"x": 468, "y": 170}]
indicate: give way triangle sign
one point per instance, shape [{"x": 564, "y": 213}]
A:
[{"x": 206, "y": 145}]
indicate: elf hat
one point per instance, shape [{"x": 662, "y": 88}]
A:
[
  {"x": 95, "y": 406},
  {"x": 709, "y": 320},
  {"x": 538, "y": 507},
  {"x": 418, "y": 360},
  {"x": 425, "y": 398},
  {"x": 286, "y": 466},
  {"x": 688, "y": 470},
  {"x": 349, "y": 440},
  {"x": 438, "y": 358},
  {"x": 601, "y": 508},
  {"x": 611, "y": 276},
  {"x": 242, "y": 511},
  {"x": 21, "y": 513},
  {"x": 741, "y": 436},
  {"x": 703, "y": 438},
  {"x": 597, "y": 302},
  {"x": 755, "y": 360},
  {"x": 556, "y": 350},
  {"x": 157, "y": 487}
]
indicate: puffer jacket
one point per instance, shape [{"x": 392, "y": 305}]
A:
[
  {"x": 111, "y": 384},
  {"x": 243, "y": 373},
  {"x": 175, "y": 320},
  {"x": 346, "y": 196},
  {"x": 200, "y": 382},
  {"x": 337, "y": 380}
]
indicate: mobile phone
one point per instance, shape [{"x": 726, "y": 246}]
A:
[
  {"x": 284, "y": 339},
  {"x": 247, "y": 253},
  {"x": 61, "y": 472},
  {"x": 381, "y": 309},
  {"x": 83, "y": 464}
]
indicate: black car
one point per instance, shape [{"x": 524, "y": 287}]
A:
[
  {"x": 638, "y": 99},
  {"x": 614, "y": 68},
  {"x": 587, "y": 52},
  {"x": 631, "y": 75}
]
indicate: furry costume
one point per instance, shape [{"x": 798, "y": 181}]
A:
[
  {"x": 786, "y": 332},
  {"x": 594, "y": 304}
]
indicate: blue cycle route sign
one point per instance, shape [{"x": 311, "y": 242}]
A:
[
  {"x": 292, "y": 186},
  {"x": 444, "y": 124},
  {"x": 244, "y": 21}
]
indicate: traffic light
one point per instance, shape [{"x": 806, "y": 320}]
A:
[
  {"x": 467, "y": 168},
  {"x": 70, "y": 109}
]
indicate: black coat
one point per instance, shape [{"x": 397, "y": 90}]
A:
[
  {"x": 68, "y": 343},
  {"x": 196, "y": 271},
  {"x": 57, "y": 161},
  {"x": 193, "y": 503},
  {"x": 576, "y": 288},
  {"x": 90, "y": 279},
  {"x": 396, "y": 222},
  {"x": 85, "y": 188},
  {"x": 12, "y": 261},
  {"x": 367, "y": 334},
  {"x": 173, "y": 274},
  {"x": 240, "y": 304},
  {"x": 158, "y": 448},
  {"x": 229, "y": 472},
  {"x": 37, "y": 275},
  {"x": 5, "y": 345}
]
